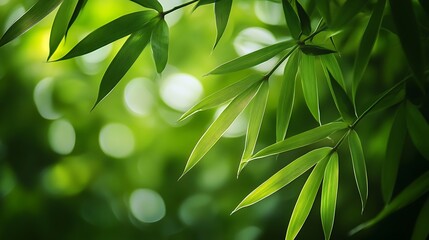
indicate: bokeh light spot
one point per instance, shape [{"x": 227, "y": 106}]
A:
[
  {"x": 181, "y": 91},
  {"x": 7, "y": 181},
  {"x": 43, "y": 99},
  {"x": 147, "y": 205},
  {"x": 269, "y": 12},
  {"x": 116, "y": 140},
  {"x": 238, "y": 127},
  {"x": 62, "y": 136},
  {"x": 138, "y": 96},
  {"x": 195, "y": 209}
]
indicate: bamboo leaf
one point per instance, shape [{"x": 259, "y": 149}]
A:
[
  {"x": 350, "y": 9},
  {"x": 330, "y": 63},
  {"x": 220, "y": 125},
  {"x": 80, "y": 5},
  {"x": 367, "y": 43},
  {"x": 292, "y": 19},
  {"x": 324, "y": 10},
  {"x": 152, "y": 4},
  {"x": 287, "y": 97},
  {"x": 203, "y": 2},
  {"x": 36, "y": 13},
  {"x": 329, "y": 195},
  {"x": 159, "y": 42},
  {"x": 300, "y": 140},
  {"x": 305, "y": 200},
  {"x": 421, "y": 230},
  {"x": 341, "y": 99},
  {"x": 111, "y": 32},
  {"x": 309, "y": 85},
  {"x": 315, "y": 50},
  {"x": 222, "y": 96},
  {"x": 359, "y": 166},
  {"x": 303, "y": 18},
  {"x": 285, "y": 176},
  {"x": 222, "y": 11},
  {"x": 418, "y": 129},
  {"x": 395, "y": 144},
  {"x": 252, "y": 59}
]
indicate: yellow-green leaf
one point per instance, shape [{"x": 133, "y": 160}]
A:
[
  {"x": 309, "y": 85},
  {"x": 222, "y": 11},
  {"x": 159, "y": 42},
  {"x": 359, "y": 166},
  {"x": 329, "y": 195},
  {"x": 421, "y": 229},
  {"x": 418, "y": 129},
  {"x": 153, "y": 4},
  {"x": 292, "y": 19}
]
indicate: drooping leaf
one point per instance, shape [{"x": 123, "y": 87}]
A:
[
  {"x": 309, "y": 85},
  {"x": 305, "y": 200},
  {"x": 253, "y": 58},
  {"x": 292, "y": 19},
  {"x": 36, "y": 13},
  {"x": 123, "y": 61},
  {"x": 421, "y": 230},
  {"x": 222, "y": 96},
  {"x": 303, "y": 18},
  {"x": 287, "y": 97},
  {"x": 350, "y": 9},
  {"x": 222, "y": 11},
  {"x": 285, "y": 176},
  {"x": 256, "y": 115},
  {"x": 80, "y": 5},
  {"x": 359, "y": 166},
  {"x": 366, "y": 44},
  {"x": 324, "y": 10},
  {"x": 329, "y": 195},
  {"x": 300, "y": 140},
  {"x": 341, "y": 99},
  {"x": 418, "y": 129},
  {"x": 152, "y": 4},
  {"x": 61, "y": 23},
  {"x": 395, "y": 144},
  {"x": 315, "y": 50},
  {"x": 220, "y": 125},
  {"x": 159, "y": 42},
  {"x": 330, "y": 63},
  {"x": 111, "y": 32}
]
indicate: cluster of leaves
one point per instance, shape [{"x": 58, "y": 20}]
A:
[{"x": 302, "y": 54}]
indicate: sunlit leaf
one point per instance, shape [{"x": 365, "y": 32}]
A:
[
  {"x": 329, "y": 195},
  {"x": 285, "y": 176},
  {"x": 393, "y": 154},
  {"x": 324, "y": 10},
  {"x": 315, "y": 50},
  {"x": 204, "y": 2},
  {"x": 303, "y": 18},
  {"x": 80, "y": 5},
  {"x": 292, "y": 19},
  {"x": 159, "y": 42},
  {"x": 341, "y": 99},
  {"x": 220, "y": 125},
  {"x": 36, "y": 13},
  {"x": 287, "y": 97},
  {"x": 222, "y": 96},
  {"x": 418, "y": 129},
  {"x": 222, "y": 11},
  {"x": 329, "y": 62},
  {"x": 309, "y": 85},
  {"x": 350, "y": 9},
  {"x": 253, "y": 58},
  {"x": 152, "y": 4},
  {"x": 366, "y": 44},
  {"x": 256, "y": 115},
  {"x": 300, "y": 140},
  {"x": 305, "y": 200},
  {"x": 421, "y": 230},
  {"x": 111, "y": 32},
  {"x": 359, "y": 166}
]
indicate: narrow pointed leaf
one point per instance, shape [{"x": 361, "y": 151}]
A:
[
  {"x": 324, "y": 9},
  {"x": 300, "y": 140},
  {"x": 341, "y": 99},
  {"x": 111, "y": 32},
  {"x": 315, "y": 50},
  {"x": 36, "y": 13},
  {"x": 309, "y": 85},
  {"x": 285, "y": 176},
  {"x": 418, "y": 129},
  {"x": 220, "y": 125},
  {"x": 252, "y": 59},
  {"x": 123, "y": 61},
  {"x": 329, "y": 195},
  {"x": 222, "y": 11},
  {"x": 152, "y": 4},
  {"x": 421, "y": 230},
  {"x": 159, "y": 42},
  {"x": 350, "y": 9},
  {"x": 287, "y": 97},
  {"x": 80, "y": 5},
  {"x": 292, "y": 19},
  {"x": 222, "y": 96},
  {"x": 395, "y": 145},
  {"x": 367, "y": 43},
  {"x": 303, "y": 18},
  {"x": 359, "y": 166},
  {"x": 330, "y": 63},
  {"x": 203, "y": 2},
  {"x": 305, "y": 200},
  {"x": 61, "y": 23}
]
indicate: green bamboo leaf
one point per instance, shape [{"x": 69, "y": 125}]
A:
[
  {"x": 421, "y": 230},
  {"x": 112, "y": 31},
  {"x": 359, "y": 166},
  {"x": 341, "y": 99},
  {"x": 315, "y": 50},
  {"x": 256, "y": 115},
  {"x": 305, "y": 200},
  {"x": 285, "y": 176},
  {"x": 159, "y": 42},
  {"x": 220, "y": 125},
  {"x": 412, "y": 192},
  {"x": 300, "y": 140},
  {"x": 324, "y": 10},
  {"x": 203, "y": 2},
  {"x": 418, "y": 129},
  {"x": 309, "y": 85},
  {"x": 366, "y": 44},
  {"x": 253, "y": 58},
  {"x": 395, "y": 145},
  {"x": 36, "y": 13},
  {"x": 80, "y": 5},
  {"x": 350, "y": 9},
  {"x": 222, "y": 96},
  {"x": 330, "y": 63},
  {"x": 152, "y": 4},
  {"x": 222, "y": 11},
  {"x": 292, "y": 19},
  {"x": 303, "y": 18},
  {"x": 287, "y": 97},
  {"x": 329, "y": 195},
  {"x": 123, "y": 61},
  {"x": 61, "y": 24}
]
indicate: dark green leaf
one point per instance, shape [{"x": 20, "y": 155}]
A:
[
  {"x": 222, "y": 11},
  {"x": 329, "y": 62},
  {"x": 304, "y": 19},
  {"x": 341, "y": 99},
  {"x": 309, "y": 85},
  {"x": 350, "y": 9},
  {"x": 315, "y": 50},
  {"x": 36, "y": 13},
  {"x": 292, "y": 19},
  {"x": 152, "y": 4},
  {"x": 159, "y": 42},
  {"x": 329, "y": 195},
  {"x": 421, "y": 230},
  {"x": 203, "y": 2},
  {"x": 418, "y": 129},
  {"x": 324, "y": 10},
  {"x": 359, "y": 166},
  {"x": 80, "y": 5}
]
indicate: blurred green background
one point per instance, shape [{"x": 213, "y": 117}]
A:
[{"x": 69, "y": 173}]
